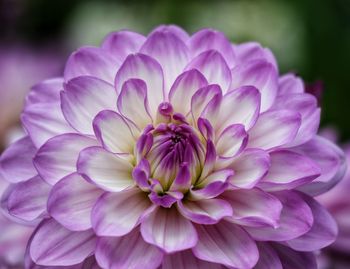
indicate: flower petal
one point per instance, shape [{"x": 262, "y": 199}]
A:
[
  {"x": 71, "y": 201},
  {"x": 292, "y": 259},
  {"x": 16, "y": 162},
  {"x": 274, "y": 129},
  {"x": 186, "y": 260},
  {"x": 116, "y": 214},
  {"x": 122, "y": 43},
  {"x": 208, "y": 211},
  {"x": 322, "y": 233},
  {"x": 250, "y": 166},
  {"x": 289, "y": 84},
  {"x": 143, "y": 67},
  {"x": 209, "y": 39},
  {"x": 57, "y": 158},
  {"x": 91, "y": 61},
  {"x": 329, "y": 158},
  {"x": 167, "y": 229},
  {"x": 114, "y": 132},
  {"x": 42, "y": 116},
  {"x": 133, "y": 102},
  {"x": 296, "y": 219},
  {"x": 231, "y": 141},
  {"x": 129, "y": 251},
  {"x": 27, "y": 200},
  {"x": 83, "y": 98},
  {"x": 253, "y": 207},
  {"x": 54, "y": 245},
  {"x": 260, "y": 74},
  {"x": 214, "y": 67},
  {"x": 268, "y": 257},
  {"x": 169, "y": 50},
  {"x": 184, "y": 87},
  {"x": 289, "y": 170},
  {"x": 226, "y": 243},
  {"x": 105, "y": 169}
]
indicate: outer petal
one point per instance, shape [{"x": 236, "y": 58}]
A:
[
  {"x": 186, "y": 260},
  {"x": 292, "y": 259},
  {"x": 250, "y": 166},
  {"x": 254, "y": 207},
  {"x": 16, "y": 162},
  {"x": 209, "y": 39},
  {"x": 167, "y": 229},
  {"x": 259, "y": 74},
  {"x": 289, "y": 84},
  {"x": 91, "y": 61},
  {"x": 122, "y": 43},
  {"x": 185, "y": 86},
  {"x": 71, "y": 201},
  {"x": 214, "y": 67},
  {"x": 274, "y": 129},
  {"x": 226, "y": 243},
  {"x": 27, "y": 200},
  {"x": 205, "y": 211},
  {"x": 143, "y": 67},
  {"x": 296, "y": 219},
  {"x": 240, "y": 106},
  {"x": 289, "y": 170},
  {"x": 133, "y": 102},
  {"x": 42, "y": 116},
  {"x": 54, "y": 245},
  {"x": 169, "y": 50},
  {"x": 107, "y": 170},
  {"x": 114, "y": 132},
  {"x": 83, "y": 98},
  {"x": 268, "y": 258},
  {"x": 250, "y": 51},
  {"x": 306, "y": 105},
  {"x": 322, "y": 233},
  {"x": 57, "y": 158},
  {"x": 116, "y": 214},
  {"x": 329, "y": 158},
  {"x": 129, "y": 251}
]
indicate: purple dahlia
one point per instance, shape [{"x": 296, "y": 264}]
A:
[{"x": 172, "y": 151}]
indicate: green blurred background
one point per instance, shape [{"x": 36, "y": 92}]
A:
[{"x": 311, "y": 38}]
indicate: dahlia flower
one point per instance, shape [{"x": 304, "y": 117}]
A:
[{"x": 172, "y": 151}]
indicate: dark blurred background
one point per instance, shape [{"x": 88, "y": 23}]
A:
[{"x": 311, "y": 38}]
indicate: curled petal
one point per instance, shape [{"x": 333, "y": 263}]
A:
[
  {"x": 129, "y": 251},
  {"x": 83, "y": 98},
  {"x": 274, "y": 129},
  {"x": 116, "y": 214},
  {"x": 289, "y": 170},
  {"x": 167, "y": 229},
  {"x": 226, "y": 243},
  {"x": 146, "y": 68},
  {"x": 253, "y": 207},
  {"x": 296, "y": 219},
  {"x": 54, "y": 245},
  {"x": 114, "y": 132},
  {"x": 57, "y": 158},
  {"x": 208, "y": 211},
  {"x": 214, "y": 67},
  {"x": 71, "y": 201},
  {"x": 16, "y": 162},
  {"x": 91, "y": 61},
  {"x": 122, "y": 43},
  {"x": 105, "y": 169},
  {"x": 289, "y": 84},
  {"x": 232, "y": 141},
  {"x": 27, "y": 200}
]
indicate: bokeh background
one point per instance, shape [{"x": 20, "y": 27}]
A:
[{"x": 311, "y": 38}]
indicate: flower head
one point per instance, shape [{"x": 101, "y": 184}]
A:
[{"x": 173, "y": 151}]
